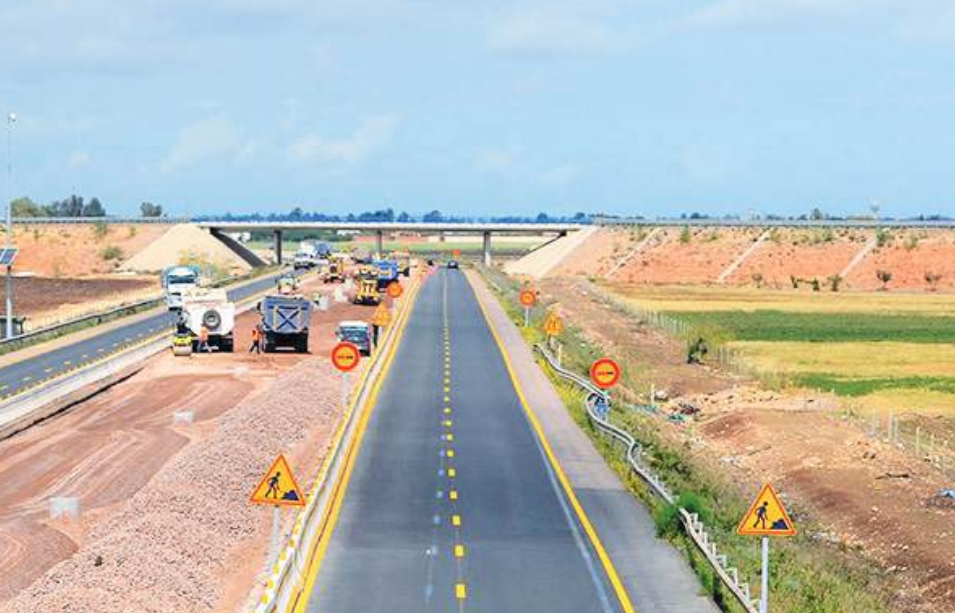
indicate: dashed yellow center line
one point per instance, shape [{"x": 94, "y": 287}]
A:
[
  {"x": 450, "y": 453},
  {"x": 447, "y": 389},
  {"x": 449, "y": 437},
  {"x": 459, "y": 551},
  {"x": 460, "y": 591},
  {"x": 447, "y": 423},
  {"x": 453, "y": 495},
  {"x": 452, "y": 473},
  {"x": 456, "y": 521},
  {"x": 447, "y": 410},
  {"x": 447, "y": 398}
]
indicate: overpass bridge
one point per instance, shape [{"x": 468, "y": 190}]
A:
[{"x": 221, "y": 229}]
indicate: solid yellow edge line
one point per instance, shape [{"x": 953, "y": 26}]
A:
[
  {"x": 331, "y": 519},
  {"x": 605, "y": 560}
]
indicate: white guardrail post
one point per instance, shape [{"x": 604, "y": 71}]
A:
[
  {"x": 691, "y": 522},
  {"x": 288, "y": 573}
]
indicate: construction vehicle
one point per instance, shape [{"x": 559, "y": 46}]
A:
[
  {"x": 175, "y": 281},
  {"x": 335, "y": 271},
  {"x": 360, "y": 255},
  {"x": 287, "y": 284},
  {"x": 212, "y": 309},
  {"x": 366, "y": 286},
  {"x": 387, "y": 272},
  {"x": 403, "y": 259},
  {"x": 285, "y": 322}
]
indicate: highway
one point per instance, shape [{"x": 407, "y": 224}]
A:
[
  {"x": 20, "y": 375},
  {"x": 451, "y": 504}
]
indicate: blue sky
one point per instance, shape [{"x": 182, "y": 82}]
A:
[{"x": 485, "y": 107}]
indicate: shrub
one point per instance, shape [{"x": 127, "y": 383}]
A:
[
  {"x": 100, "y": 229},
  {"x": 132, "y": 231},
  {"x": 667, "y": 518},
  {"x": 111, "y": 253},
  {"x": 932, "y": 278},
  {"x": 911, "y": 242},
  {"x": 884, "y": 276},
  {"x": 835, "y": 282},
  {"x": 882, "y": 237},
  {"x": 685, "y": 235}
]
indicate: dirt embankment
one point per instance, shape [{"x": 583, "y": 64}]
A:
[
  {"x": 918, "y": 260},
  {"x": 864, "y": 493},
  {"x": 47, "y": 299},
  {"x": 80, "y": 250},
  {"x": 165, "y": 520}
]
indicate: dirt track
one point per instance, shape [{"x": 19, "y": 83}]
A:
[{"x": 111, "y": 447}]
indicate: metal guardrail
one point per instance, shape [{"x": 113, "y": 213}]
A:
[
  {"x": 777, "y": 223},
  {"x": 695, "y": 529},
  {"x": 108, "y": 313}
]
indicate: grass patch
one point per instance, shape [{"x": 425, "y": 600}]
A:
[
  {"x": 782, "y": 326},
  {"x": 864, "y": 387}
]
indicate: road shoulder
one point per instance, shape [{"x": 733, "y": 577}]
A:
[{"x": 653, "y": 572}]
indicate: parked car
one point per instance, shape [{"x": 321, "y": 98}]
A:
[{"x": 356, "y": 332}]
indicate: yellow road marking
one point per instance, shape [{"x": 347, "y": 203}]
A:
[
  {"x": 334, "y": 508},
  {"x": 456, "y": 521},
  {"x": 449, "y": 437},
  {"x": 447, "y": 423},
  {"x": 450, "y": 453},
  {"x": 459, "y": 551},
  {"x": 447, "y": 399},
  {"x": 588, "y": 526},
  {"x": 447, "y": 410},
  {"x": 453, "y": 494},
  {"x": 446, "y": 389},
  {"x": 460, "y": 591},
  {"x": 447, "y": 381},
  {"x": 452, "y": 473}
]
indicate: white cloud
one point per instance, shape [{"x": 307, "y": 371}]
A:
[
  {"x": 543, "y": 33},
  {"x": 498, "y": 161},
  {"x": 213, "y": 137},
  {"x": 372, "y": 134},
  {"x": 79, "y": 160},
  {"x": 561, "y": 176}
]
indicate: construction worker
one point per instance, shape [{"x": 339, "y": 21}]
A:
[
  {"x": 204, "y": 338},
  {"x": 256, "y": 340}
]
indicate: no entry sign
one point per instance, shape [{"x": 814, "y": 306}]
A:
[
  {"x": 345, "y": 356},
  {"x": 527, "y": 298},
  {"x": 604, "y": 373},
  {"x": 395, "y": 289}
]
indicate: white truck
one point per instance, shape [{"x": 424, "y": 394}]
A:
[
  {"x": 177, "y": 280},
  {"x": 210, "y": 308}
]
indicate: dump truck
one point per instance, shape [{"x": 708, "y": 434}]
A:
[
  {"x": 387, "y": 272},
  {"x": 335, "y": 271},
  {"x": 366, "y": 286},
  {"x": 285, "y": 322},
  {"x": 210, "y": 308},
  {"x": 287, "y": 284},
  {"x": 403, "y": 260},
  {"x": 175, "y": 281}
]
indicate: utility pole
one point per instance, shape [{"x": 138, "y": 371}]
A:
[{"x": 11, "y": 119}]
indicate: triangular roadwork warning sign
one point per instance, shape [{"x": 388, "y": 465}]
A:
[
  {"x": 278, "y": 486},
  {"x": 382, "y": 316},
  {"x": 767, "y": 516}
]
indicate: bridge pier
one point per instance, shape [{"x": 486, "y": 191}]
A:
[
  {"x": 379, "y": 243},
  {"x": 487, "y": 248},
  {"x": 277, "y": 246}
]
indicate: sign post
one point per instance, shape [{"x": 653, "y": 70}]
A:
[
  {"x": 766, "y": 517},
  {"x": 345, "y": 357},
  {"x": 527, "y": 299},
  {"x": 552, "y": 327},
  {"x": 279, "y": 489}
]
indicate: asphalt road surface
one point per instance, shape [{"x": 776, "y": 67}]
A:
[
  {"x": 29, "y": 372},
  {"x": 452, "y": 505}
]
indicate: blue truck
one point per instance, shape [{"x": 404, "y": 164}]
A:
[
  {"x": 387, "y": 272},
  {"x": 285, "y": 322}
]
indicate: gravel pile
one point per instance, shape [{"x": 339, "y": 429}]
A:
[{"x": 170, "y": 547}]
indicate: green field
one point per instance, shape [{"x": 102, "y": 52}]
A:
[{"x": 885, "y": 351}]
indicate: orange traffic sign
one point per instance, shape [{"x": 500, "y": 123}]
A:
[
  {"x": 278, "y": 486},
  {"x": 767, "y": 516},
  {"x": 456, "y": 253},
  {"x": 604, "y": 373},
  {"x": 382, "y": 316},
  {"x": 553, "y": 325},
  {"x": 345, "y": 356},
  {"x": 528, "y": 297},
  {"x": 395, "y": 289}
]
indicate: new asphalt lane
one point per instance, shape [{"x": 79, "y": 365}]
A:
[
  {"x": 452, "y": 505},
  {"x": 23, "y": 374}
]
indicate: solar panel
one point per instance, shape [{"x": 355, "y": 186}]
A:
[{"x": 7, "y": 256}]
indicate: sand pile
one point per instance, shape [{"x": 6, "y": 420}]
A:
[
  {"x": 171, "y": 547},
  {"x": 184, "y": 241},
  {"x": 540, "y": 262}
]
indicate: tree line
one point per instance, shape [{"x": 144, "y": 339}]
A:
[
  {"x": 390, "y": 215},
  {"x": 73, "y": 206}
]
